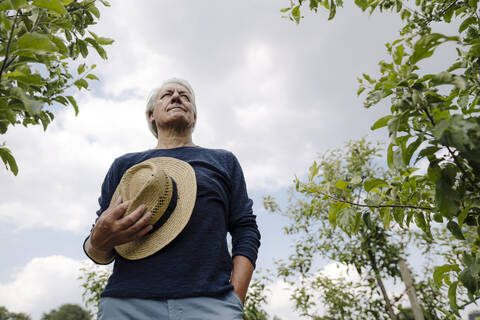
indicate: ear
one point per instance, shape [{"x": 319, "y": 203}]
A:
[{"x": 150, "y": 117}]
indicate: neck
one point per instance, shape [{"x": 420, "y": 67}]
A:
[{"x": 168, "y": 139}]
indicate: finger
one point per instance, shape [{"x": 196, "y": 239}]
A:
[
  {"x": 118, "y": 211},
  {"x": 146, "y": 229},
  {"x": 132, "y": 218},
  {"x": 139, "y": 224},
  {"x": 116, "y": 203}
]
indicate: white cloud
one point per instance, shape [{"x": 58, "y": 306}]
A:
[{"x": 43, "y": 284}]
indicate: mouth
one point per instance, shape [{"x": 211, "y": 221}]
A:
[{"x": 175, "y": 107}]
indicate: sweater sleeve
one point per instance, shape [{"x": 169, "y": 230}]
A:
[
  {"x": 108, "y": 188},
  {"x": 242, "y": 222}
]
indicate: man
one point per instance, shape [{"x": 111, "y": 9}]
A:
[{"x": 193, "y": 276}]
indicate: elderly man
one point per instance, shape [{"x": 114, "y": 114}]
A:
[{"x": 192, "y": 275}]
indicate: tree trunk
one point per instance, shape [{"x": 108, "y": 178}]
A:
[
  {"x": 412, "y": 296},
  {"x": 388, "y": 305}
]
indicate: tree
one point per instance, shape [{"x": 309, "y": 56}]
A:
[
  {"x": 67, "y": 312},
  {"x": 7, "y": 315},
  {"x": 434, "y": 117},
  {"x": 38, "y": 41},
  {"x": 324, "y": 227}
]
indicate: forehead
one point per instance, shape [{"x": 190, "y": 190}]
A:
[{"x": 174, "y": 86}]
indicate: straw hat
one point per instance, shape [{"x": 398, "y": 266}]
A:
[{"x": 168, "y": 187}]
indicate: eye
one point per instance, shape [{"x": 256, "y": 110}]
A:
[
  {"x": 185, "y": 97},
  {"x": 166, "y": 94}
]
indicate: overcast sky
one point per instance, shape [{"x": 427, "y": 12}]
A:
[{"x": 272, "y": 92}]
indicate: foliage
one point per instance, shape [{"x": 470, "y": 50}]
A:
[
  {"x": 67, "y": 312},
  {"x": 256, "y": 299},
  {"x": 326, "y": 223},
  {"x": 433, "y": 117},
  {"x": 7, "y": 315},
  {"x": 38, "y": 41},
  {"x": 94, "y": 279}
]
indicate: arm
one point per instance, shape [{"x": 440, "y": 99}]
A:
[
  {"x": 241, "y": 276},
  {"x": 244, "y": 231},
  {"x": 113, "y": 229}
]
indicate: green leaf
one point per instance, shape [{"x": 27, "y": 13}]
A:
[
  {"x": 81, "y": 68},
  {"x": 371, "y": 183},
  {"x": 94, "y": 10},
  {"x": 466, "y": 23},
  {"x": 12, "y": 4},
  {"x": 348, "y": 220},
  {"x": 62, "y": 48},
  {"x": 382, "y": 122},
  {"x": 421, "y": 223},
  {"x": 399, "y": 216},
  {"x": 333, "y": 10},
  {"x": 296, "y": 14},
  {"x": 390, "y": 157},
  {"x": 461, "y": 217},
  {"x": 82, "y": 47},
  {"x": 398, "y": 54},
  {"x": 446, "y": 198},
  {"x": 313, "y": 171},
  {"x": 452, "y": 296},
  {"x": 341, "y": 184},
  {"x": 439, "y": 272},
  {"x": 412, "y": 147},
  {"x": 74, "y": 104},
  {"x": 455, "y": 230},
  {"x": 91, "y": 76},
  {"x": 356, "y": 180},
  {"x": 81, "y": 83},
  {"x": 333, "y": 210},
  {"x": 54, "y": 5},
  {"x": 36, "y": 42},
  {"x": 32, "y": 79},
  {"x": 8, "y": 160},
  {"x": 468, "y": 280},
  {"x": 362, "y": 4},
  {"x": 459, "y": 82},
  {"x": 105, "y": 41},
  {"x": 386, "y": 216}
]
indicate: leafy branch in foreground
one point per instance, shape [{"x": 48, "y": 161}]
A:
[
  {"x": 39, "y": 41},
  {"x": 434, "y": 118},
  {"x": 362, "y": 238}
]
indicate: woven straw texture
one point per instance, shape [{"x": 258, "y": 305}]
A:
[{"x": 147, "y": 183}]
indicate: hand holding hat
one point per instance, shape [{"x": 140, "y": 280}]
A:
[{"x": 113, "y": 228}]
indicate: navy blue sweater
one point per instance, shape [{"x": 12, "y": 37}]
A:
[{"x": 197, "y": 261}]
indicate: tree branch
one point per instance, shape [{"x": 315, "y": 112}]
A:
[
  {"x": 12, "y": 29},
  {"x": 375, "y": 206}
]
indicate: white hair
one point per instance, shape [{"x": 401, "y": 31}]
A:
[{"x": 153, "y": 96}]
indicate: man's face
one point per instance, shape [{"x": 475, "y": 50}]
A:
[{"x": 173, "y": 108}]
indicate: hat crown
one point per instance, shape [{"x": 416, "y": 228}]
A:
[{"x": 147, "y": 183}]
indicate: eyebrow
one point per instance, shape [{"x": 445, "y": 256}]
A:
[{"x": 171, "y": 90}]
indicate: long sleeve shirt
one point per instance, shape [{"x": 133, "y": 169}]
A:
[{"x": 197, "y": 262}]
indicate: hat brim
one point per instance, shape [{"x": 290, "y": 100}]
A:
[{"x": 184, "y": 176}]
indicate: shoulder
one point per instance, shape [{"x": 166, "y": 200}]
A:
[
  {"x": 127, "y": 160},
  {"x": 222, "y": 156}
]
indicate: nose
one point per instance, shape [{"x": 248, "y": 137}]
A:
[{"x": 176, "y": 97}]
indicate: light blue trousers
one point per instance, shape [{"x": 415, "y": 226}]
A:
[{"x": 226, "y": 307}]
